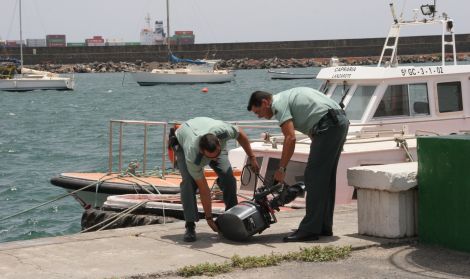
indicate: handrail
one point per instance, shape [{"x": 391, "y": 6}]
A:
[
  {"x": 248, "y": 124},
  {"x": 391, "y": 122},
  {"x": 122, "y": 123}
]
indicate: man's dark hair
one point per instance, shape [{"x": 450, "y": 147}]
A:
[
  {"x": 209, "y": 142},
  {"x": 257, "y": 97}
]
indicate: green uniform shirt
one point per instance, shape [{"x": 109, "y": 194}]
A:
[
  {"x": 305, "y": 106},
  {"x": 189, "y": 133}
]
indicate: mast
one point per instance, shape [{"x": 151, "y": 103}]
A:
[
  {"x": 168, "y": 25},
  {"x": 21, "y": 40}
]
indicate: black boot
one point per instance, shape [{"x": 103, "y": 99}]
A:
[
  {"x": 300, "y": 236},
  {"x": 190, "y": 233}
]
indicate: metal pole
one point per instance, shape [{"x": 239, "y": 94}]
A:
[
  {"x": 168, "y": 24},
  {"x": 21, "y": 39},
  {"x": 453, "y": 48},
  {"x": 145, "y": 148},
  {"x": 120, "y": 146},
  {"x": 443, "y": 43},
  {"x": 110, "y": 146},
  {"x": 164, "y": 150}
]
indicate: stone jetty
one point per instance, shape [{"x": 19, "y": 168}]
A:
[{"x": 233, "y": 64}]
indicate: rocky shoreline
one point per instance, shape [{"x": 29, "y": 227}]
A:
[{"x": 234, "y": 64}]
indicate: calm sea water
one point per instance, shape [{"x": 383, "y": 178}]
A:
[{"x": 44, "y": 133}]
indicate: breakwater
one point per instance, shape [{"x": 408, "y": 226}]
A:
[
  {"x": 234, "y": 64},
  {"x": 235, "y": 55}
]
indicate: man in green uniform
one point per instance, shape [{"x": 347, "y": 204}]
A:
[
  {"x": 312, "y": 113},
  {"x": 202, "y": 141}
]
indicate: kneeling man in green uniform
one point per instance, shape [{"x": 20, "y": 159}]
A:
[
  {"x": 202, "y": 141},
  {"x": 314, "y": 114}
]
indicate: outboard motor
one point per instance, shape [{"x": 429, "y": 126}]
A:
[{"x": 250, "y": 217}]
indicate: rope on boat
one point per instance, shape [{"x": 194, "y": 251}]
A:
[
  {"x": 116, "y": 217},
  {"x": 99, "y": 181},
  {"x": 401, "y": 142},
  {"x": 145, "y": 189}
]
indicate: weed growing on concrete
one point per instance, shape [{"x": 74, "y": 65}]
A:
[
  {"x": 310, "y": 254},
  {"x": 319, "y": 254},
  {"x": 256, "y": 261},
  {"x": 209, "y": 269}
]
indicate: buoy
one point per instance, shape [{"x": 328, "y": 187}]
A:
[{"x": 204, "y": 90}]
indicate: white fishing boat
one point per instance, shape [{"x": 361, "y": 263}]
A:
[
  {"x": 290, "y": 75},
  {"x": 196, "y": 71},
  {"x": 389, "y": 105},
  {"x": 199, "y": 73},
  {"x": 28, "y": 79}
]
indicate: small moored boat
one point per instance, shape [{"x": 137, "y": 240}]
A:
[{"x": 290, "y": 75}]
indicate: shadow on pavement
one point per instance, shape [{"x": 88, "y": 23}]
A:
[
  {"x": 205, "y": 240},
  {"x": 432, "y": 261}
]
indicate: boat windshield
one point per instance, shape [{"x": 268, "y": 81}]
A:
[
  {"x": 325, "y": 87},
  {"x": 359, "y": 101},
  {"x": 404, "y": 100},
  {"x": 339, "y": 91}
]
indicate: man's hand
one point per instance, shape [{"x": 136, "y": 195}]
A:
[
  {"x": 211, "y": 223},
  {"x": 279, "y": 176}
]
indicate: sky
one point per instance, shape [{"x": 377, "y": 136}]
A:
[{"x": 219, "y": 21}]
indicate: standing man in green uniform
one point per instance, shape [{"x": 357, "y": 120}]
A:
[
  {"x": 312, "y": 113},
  {"x": 202, "y": 141}
]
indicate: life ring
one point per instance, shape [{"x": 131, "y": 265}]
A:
[
  {"x": 171, "y": 155},
  {"x": 171, "y": 152}
]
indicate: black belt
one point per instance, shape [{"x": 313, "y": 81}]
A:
[
  {"x": 332, "y": 114},
  {"x": 330, "y": 118}
]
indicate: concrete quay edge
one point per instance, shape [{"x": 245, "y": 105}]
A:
[{"x": 159, "y": 249}]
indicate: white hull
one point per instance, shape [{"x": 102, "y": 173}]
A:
[
  {"x": 29, "y": 84},
  {"x": 183, "y": 77},
  {"x": 289, "y": 75},
  {"x": 356, "y": 153},
  {"x": 92, "y": 199},
  {"x": 155, "y": 202}
]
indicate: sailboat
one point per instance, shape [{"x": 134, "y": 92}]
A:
[
  {"x": 196, "y": 71},
  {"x": 28, "y": 79}
]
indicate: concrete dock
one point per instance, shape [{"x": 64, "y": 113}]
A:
[{"x": 159, "y": 250}]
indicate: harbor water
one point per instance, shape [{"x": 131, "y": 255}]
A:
[{"x": 45, "y": 133}]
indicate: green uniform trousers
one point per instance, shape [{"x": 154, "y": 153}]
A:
[
  {"x": 188, "y": 187},
  {"x": 320, "y": 174}
]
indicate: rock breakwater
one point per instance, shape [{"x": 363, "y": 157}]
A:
[{"x": 234, "y": 64}]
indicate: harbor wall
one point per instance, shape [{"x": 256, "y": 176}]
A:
[{"x": 417, "y": 45}]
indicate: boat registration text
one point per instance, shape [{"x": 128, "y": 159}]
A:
[{"x": 422, "y": 71}]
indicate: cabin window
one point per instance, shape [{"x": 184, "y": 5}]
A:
[
  {"x": 359, "y": 101},
  {"x": 325, "y": 87},
  {"x": 339, "y": 92},
  {"x": 419, "y": 102},
  {"x": 404, "y": 100},
  {"x": 449, "y": 95}
]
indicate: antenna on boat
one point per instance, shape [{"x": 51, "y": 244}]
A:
[{"x": 394, "y": 15}]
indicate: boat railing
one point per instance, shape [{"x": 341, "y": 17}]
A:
[
  {"x": 245, "y": 124},
  {"x": 376, "y": 130},
  {"x": 146, "y": 125},
  {"x": 256, "y": 125}
]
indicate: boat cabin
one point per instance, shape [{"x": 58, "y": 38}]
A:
[{"x": 414, "y": 98}]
